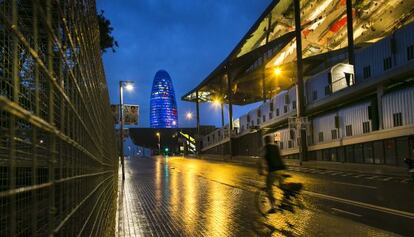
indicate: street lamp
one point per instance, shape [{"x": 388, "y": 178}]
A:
[
  {"x": 218, "y": 102},
  {"x": 129, "y": 86},
  {"x": 277, "y": 71},
  {"x": 159, "y": 142},
  {"x": 189, "y": 115}
]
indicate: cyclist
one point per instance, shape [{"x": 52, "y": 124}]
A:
[{"x": 272, "y": 159}]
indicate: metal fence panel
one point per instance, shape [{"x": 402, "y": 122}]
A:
[{"x": 58, "y": 161}]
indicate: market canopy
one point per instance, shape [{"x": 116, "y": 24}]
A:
[{"x": 270, "y": 43}]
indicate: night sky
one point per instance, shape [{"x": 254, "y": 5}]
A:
[{"x": 188, "y": 38}]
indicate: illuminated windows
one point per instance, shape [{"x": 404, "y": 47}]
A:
[{"x": 163, "y": 111}]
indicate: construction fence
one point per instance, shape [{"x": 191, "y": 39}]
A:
[{"x": 58, "y": 160}]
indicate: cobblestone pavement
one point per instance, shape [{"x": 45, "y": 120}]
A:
[{"x": 184, "y": 197}]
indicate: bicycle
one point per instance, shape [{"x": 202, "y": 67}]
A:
[{"x": 290, "y": 197}]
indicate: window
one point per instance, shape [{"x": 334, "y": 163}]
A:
[
  {"x": 258, "y": 121},
  {"x": 334, "y": 134},
  {"x": 208, "y": 138},
  {"x": 348, "y": 130},
  {"x": 281, "y": 145},
  {"x": 248, "y": 118},
  {"x": 294, "y": 104},
  {"x": 264, "y": 118},
  {"x": 365, "y": 127},
  {"x": 259, "y": 113},
  {"x": 410, "y": 52},
  {"x": 367, "y": 72},
  {"x": 370, "y": 115},
  {"x": 314, "y": 95},
  {"x": 219, "y": 133},
  {"x": 285, "y": 109},
  {"x": 290, "y": 144},
  {"x": 387, "y": 63},
  {"x": 270, "y": 115},
  {"x": 327, "y": 90},
  {"x": 271, "y": 105},
  {"x": 277, "y": 112},
  {"x": 287, "y": 99},
  {"x": 320, "y": 136},
  {"x": 397, "y": 118}
]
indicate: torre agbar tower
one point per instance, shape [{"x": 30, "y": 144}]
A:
[{"x": 163, "y": 112}]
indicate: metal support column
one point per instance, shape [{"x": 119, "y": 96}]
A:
[
  {"x": 198, "y": 142},
  {"x": 121, "y": 128},
  {"x": 12, "y": 131},
  {"x": 380, "y": 93},
  {"x": 229, "y": 96},
  {"x": 35, "y": 140},
  {"x": 350, "y": 31},
  {"x": 269, "y": 25},
  {"x": 51, "y": 117},
  {"x": 222, "y": 114},
  {"x": 300, "y": 108}
]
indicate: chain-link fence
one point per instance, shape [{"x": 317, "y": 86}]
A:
[{"x": 58, "y": 161}]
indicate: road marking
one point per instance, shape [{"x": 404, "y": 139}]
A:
[
  {"x": 362, "y": 204},
  {"x": 405, "y": 180},
  {"x": 356, "y": 185},
  {"x": 372, "y": 177},
  {"x": 359, "y": 176},
  {"x": 388, "y": 179},
  {"x": 346, "y": 212}
]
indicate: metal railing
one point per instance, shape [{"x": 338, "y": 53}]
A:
[{"x": 58, "y": 161}]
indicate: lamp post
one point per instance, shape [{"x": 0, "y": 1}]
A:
[
  {"x": 129, "y": 86},
  {"x": 218, "y": 102},
  {"x": 159, "y": 142}
]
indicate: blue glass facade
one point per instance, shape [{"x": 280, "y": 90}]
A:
[{"x": 163, "y": 108}]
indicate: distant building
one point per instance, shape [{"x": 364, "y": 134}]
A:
[{"x": 163, "y": 111}]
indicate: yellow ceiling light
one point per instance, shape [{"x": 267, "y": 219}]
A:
[{"x": 277, "y": 71}]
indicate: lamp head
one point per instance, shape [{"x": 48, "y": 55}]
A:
[
  {"x": 277, "y": 71},
  {"x": 129, "y": 87},
  {"x": 189, "y": 115}
]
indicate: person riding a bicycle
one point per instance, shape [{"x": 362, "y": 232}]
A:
[{"x": 275, "y": 166}]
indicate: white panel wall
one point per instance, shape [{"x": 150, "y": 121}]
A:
[
  {"x": 354, "y": 115},
  {"x": 292, "y": 98},
  {"x": 324, "y": 124},
  {"x": 243, "y": 124},
  {"x": 264, "y": 108},
  {"x": 280, "y": 102},
  {"x": 375, "y": 54},
  {"x": 317, "y": 83},
  {"x": 401, "y": 101},
  {"x": 372, "y": 56},
  {"x": 253, "y": 117}
]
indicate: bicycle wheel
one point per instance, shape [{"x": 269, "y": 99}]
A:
[{"x": 262, "y": 202}]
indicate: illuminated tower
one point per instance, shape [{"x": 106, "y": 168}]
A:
[{"x": 163, "y": 112}]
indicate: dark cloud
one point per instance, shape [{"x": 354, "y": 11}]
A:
[{"x": 186, "y": 38}]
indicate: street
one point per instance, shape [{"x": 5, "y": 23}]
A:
[{"x": 177, "y": 196}]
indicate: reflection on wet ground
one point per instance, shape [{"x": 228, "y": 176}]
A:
[{"x": 183, "y": 197}]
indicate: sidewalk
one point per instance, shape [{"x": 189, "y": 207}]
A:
[
  {"x": 191, "y": 197},
  {"x": 322, "y": 165}
]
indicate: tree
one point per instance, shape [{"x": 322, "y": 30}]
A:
[{"x": 105, "y": 29}]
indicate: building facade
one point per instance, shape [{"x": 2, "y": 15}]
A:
[
  {"x": 370, "y": 120},
  {"x": 163, "y": 107}
]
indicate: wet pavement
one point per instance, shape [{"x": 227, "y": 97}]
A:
[{"x": 188, "y": 197}]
